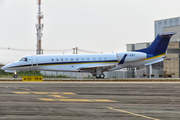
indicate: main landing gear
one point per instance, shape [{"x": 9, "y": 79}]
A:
[{"x": 100, "y": 76}]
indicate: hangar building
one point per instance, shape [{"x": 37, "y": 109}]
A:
[{"x": 171, "y": 65}]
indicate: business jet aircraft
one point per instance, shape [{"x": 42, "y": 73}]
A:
[{"x": 96, "y": 64}]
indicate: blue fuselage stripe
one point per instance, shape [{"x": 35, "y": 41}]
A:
[{"x": 66, "y": 63}]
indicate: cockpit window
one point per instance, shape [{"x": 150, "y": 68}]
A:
[{"x": 24, "y": 59}]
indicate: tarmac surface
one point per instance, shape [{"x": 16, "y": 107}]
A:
[{"x": 89, "y": 100}]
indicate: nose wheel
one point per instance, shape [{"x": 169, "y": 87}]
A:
[{"x": 15, "y": 76}]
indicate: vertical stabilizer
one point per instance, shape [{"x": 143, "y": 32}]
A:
[{"x": 159, "y": 45}]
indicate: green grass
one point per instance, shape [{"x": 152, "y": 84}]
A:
[{"x": 29, "y": 73}]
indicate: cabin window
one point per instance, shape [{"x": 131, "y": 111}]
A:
[
  {"x": 77, "y": 59},
  {"x": 94, "y": 58},
  {"x": 87, "y": 58},
  {"x": 61, "y": 59},
  {"x": 82, "y": 59},
  {"x": 52, "y": 59},
  {"x": 57, "y": 60},
  {"x": 71, "y": 59},
  {"x": 66, "y": 59},
  {"x": 105, "y": 58}
]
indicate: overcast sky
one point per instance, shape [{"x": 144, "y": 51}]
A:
[{"x": 95, "y": 25}]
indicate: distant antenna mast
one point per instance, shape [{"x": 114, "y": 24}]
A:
[{"x": 39, "y": 28}]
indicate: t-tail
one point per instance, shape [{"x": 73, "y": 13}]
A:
[{"x": 159, "y": 45}]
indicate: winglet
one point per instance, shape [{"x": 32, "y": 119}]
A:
[{"x": 123, "y": 59}]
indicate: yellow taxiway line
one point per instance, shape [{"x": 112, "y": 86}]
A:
[
  {"x": 132, "y": 113},
  {"x": 77, "y": 100}
]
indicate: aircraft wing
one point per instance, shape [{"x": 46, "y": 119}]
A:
[
  {"x": 106, "y": 66},
  {"x": 96, "y": 66}
]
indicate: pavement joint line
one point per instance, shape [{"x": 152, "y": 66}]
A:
[
  {"x": 132, "y": 113},
  {"x": 24, "y": 89}
]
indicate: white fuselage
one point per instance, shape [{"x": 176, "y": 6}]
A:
[{"x": 80, "y": 62}]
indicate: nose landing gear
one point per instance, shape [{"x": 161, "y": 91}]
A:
[{"x": 15, "y": 75}]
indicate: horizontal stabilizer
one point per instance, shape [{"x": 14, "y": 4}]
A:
[
  {"x": 155, "y": 62},
  {"x": 169, "y": 34}
]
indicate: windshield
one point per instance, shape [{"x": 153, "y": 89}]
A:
[{"x": 23, "y": 59}]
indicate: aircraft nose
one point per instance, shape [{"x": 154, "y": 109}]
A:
[
  {"x": 3, "y": 68},
  {"x": 6, "y": 67}
]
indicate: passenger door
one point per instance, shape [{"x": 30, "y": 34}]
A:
[{"x": 34, "y": 62}]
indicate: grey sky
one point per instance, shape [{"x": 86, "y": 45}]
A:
[{"x": 94, "y": 25}]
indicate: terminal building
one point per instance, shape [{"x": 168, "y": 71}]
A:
[{"x": 170, "y": 67}]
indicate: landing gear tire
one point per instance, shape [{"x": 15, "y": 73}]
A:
[
  {"x": 100, "y": 76},
  {"x": 97, "y": 76},
  {"x": 15, "y": 76}
]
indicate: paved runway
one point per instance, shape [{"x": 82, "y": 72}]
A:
[{"x": 90, "y": 100}]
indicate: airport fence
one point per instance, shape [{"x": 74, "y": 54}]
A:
[{"x": 110, "y": 74}]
